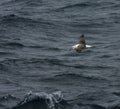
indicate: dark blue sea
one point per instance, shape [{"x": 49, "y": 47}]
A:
[{"x": 39, "y": 69}]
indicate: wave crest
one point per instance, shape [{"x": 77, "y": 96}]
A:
[{"x": 41, "y": 100}]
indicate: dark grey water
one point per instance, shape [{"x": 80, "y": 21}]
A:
[{"x": 35, "y": 52}]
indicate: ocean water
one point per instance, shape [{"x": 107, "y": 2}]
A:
[{"x": 38, "y": 68}]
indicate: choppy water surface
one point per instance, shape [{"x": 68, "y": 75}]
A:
[{"x": 35, "y": 53}]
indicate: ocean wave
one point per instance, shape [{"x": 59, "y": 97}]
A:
[
  {"x": 17, "y": 20},
  {"x": 4, "y": 53},
  {"x": 87, "y": 4},
  {"x": 22, "y": 2},
  {"x": 3, "y": 67},
  {"x": 11, "y": 45},
  {"x": 63, "y": 78},
  {"x": 97, "y": 100},
  {"x": 14, "y": 18},
  {"x": 41, "y": 101},
  {"x": 117, "y": 93},
  {"x": 15, "y": 44},
  {"x": 72, "y": 75},
  {"x": 81, "y": 5},
  {"x": 93, "y": 23},
  {"x": 104, "y": 56},
  {"x": 91, "y": 106},
  {"x": 45, "y": 48},
  {"x": 7, "y": 97},
  {"x": 15, "y": 2},
  {"x": 55, "y": 100}
]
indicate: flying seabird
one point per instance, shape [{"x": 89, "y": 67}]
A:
[{"x": 82, "y": 44}]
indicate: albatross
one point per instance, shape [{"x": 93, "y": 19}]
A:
[{"x": 82, "y": 44}]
